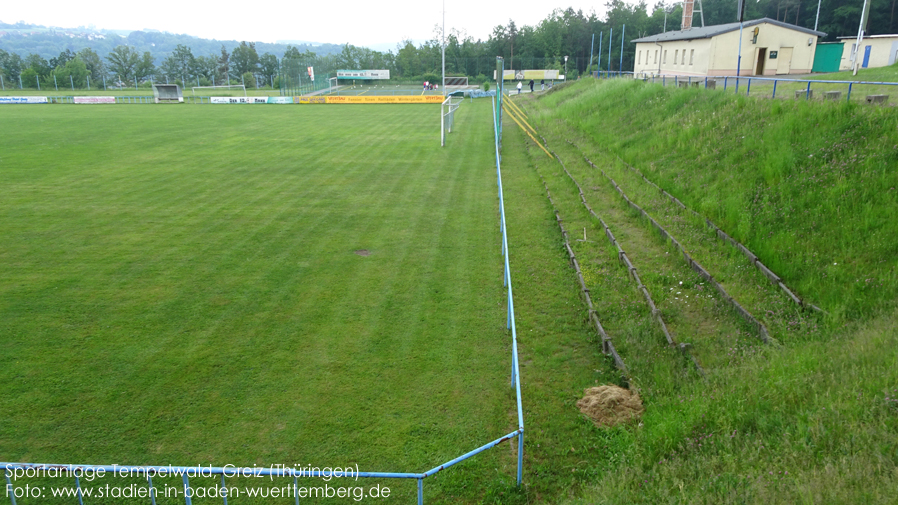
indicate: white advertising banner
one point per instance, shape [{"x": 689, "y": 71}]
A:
[
  {"x": 94, "y": 99},
  {"x": 365, "y": 75},
  {"x": 238, "y": 99},
  {"x": 23, "y": 99}
]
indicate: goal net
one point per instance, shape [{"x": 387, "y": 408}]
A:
[
  {"x": 447, "y": 112},
  {"x": 223, "y": 90}
]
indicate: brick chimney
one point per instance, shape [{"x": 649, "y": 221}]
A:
[{"x": 687, "y": 14}]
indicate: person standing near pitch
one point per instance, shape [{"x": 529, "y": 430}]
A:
[
  {"x": 531, "y": 85},
  {"x": 520, "y": 85}
]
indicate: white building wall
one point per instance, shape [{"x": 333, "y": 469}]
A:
[
  {"x": 719, "y": 55},
  {"x": 725, "y": 51},
  {"x": 882, "y": 51},
  {"x": 684, "y": 57}
]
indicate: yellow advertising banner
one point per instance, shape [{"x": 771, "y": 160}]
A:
[
  {"x": 519, "y": 75},
  {"x": 370, "y": 99}
]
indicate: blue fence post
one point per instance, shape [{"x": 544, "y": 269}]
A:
[
  {"x": 10, "y": 490},
  {"x": 520, "y": 456},
  {"x": 187, "y": 490},
  {"x": 78, "y": 490},
  {"x": 420, "y": 491},
  {"x": 295, "y": 494},
  {"x": 774, "y": 89},
  {"x": 748, "y": 88},
  {"x": 224, "y": 490},
  {"x": 152, "y": 490},
  {"x": 849, "y": 93},
  {"x": 807, "y": 94}
]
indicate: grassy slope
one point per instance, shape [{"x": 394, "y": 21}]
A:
[
  {"x": 178, "y": 286},
  {"x": 815, "y": 420}
]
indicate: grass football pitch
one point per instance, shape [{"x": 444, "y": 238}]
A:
[{"x": 251, "y": 285}]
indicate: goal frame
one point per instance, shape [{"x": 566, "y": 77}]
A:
[{"x": 228, "y": 86}]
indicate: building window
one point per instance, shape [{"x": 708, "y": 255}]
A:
[
  {"x": 664, "y": 59},
  {"x": 683, "y": 58},
  {"x": 639, "y": 58},
  {"x": 656, "y": 56},
  {"x": 692, "y": 56},
  {"x": 676, "y": 55}
]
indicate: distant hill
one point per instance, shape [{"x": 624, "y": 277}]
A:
[{"x": 48, "y": 42}]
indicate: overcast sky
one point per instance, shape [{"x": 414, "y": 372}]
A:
[{"x": 361, "y": 23}]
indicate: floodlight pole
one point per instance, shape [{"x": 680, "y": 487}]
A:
[
  {"x": 818, "y": 14},
  {"x": 88, "y": 83},
  {"x": 620, "y": 66},
  {"x": 37, "y": 79},
  {"x": 443, "y": 84},
  {"x": 3, "y": 86},
  {"x": 610, "y": 36},
  {"x": 55, "y": 84},
  {"x": 865, "y": 12},
  {"x": 739, "y": 60},
  {"x": 591, "y": 45},
  {"x": 599, "y": 56}
]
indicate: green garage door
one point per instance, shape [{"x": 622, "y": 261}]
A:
[{"x": 827, "y": 57}]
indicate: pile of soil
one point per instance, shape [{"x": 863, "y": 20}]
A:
[{"x": 610, "y": 405}]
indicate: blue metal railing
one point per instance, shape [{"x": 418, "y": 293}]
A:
[
  {"x": 10, "y": 469},
  {"x": 703, "y": 81}
]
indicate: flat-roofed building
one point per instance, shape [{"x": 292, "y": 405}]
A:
[{"x": 769, "y": 47}]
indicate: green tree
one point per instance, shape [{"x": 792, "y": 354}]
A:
[
  {"x": 244, "y": 58},
  {"x": 123, "y": 60},
  {"x": 183, "y": 63},
  {"x": 73, "y": 73},
  {"x": 40, "y": 66},
  {"x": 93, "y": 63},
  {"x": 207, "y": 67},
  {"x": 63, "y": 58},
  {"x": 248, "y": 80},
  {"x": 224, "y": 63},
  {"x": 11, "y": 64},
  {"x": 145, "y": 66},
  {"x": 29, "y": 78},
  {"x": 268, "y": 65}
]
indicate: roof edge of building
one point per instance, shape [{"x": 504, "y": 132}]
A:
[{"x": 707, "y": 32}]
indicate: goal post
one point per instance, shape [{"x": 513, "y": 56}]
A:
[{"x": 447, "y": 115}]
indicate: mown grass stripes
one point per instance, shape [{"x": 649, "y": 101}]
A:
[{"x": 181, "y": 285}]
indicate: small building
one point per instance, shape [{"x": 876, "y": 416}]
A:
[
  {"x": 876, "y": 51},
  {"x": 769, "y": 47}
]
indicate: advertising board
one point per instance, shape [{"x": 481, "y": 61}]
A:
[
  {"x": 364, "y": 75},
  {"x": 370, "y": 99},
  {"x": 94, "y": 99},
  {"x": 23, "y": 99}
]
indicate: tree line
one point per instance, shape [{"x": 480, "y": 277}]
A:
[{"x": 563, "y": 33}]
